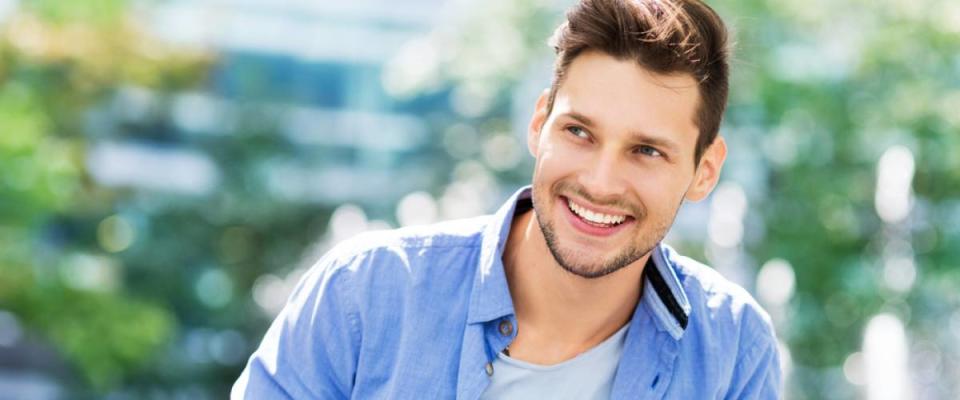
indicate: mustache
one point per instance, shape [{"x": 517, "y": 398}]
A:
[{"x": 613, "y": 202}]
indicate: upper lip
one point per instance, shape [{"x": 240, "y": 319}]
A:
[{"x": 596, "y": 209}]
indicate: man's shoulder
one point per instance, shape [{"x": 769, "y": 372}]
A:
[
  {"x": 452, "y": 233},
  {"x": 720, "y": 306},
  {"x": 395, "y": 256}
]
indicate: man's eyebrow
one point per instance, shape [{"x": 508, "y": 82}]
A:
[
  {"x": 579, "y": 117},
  {"x": 662, "y": 143},
  {"x": 637, "y": 136}
]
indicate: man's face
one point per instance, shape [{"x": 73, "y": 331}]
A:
[{"x": 614, "y": 161}]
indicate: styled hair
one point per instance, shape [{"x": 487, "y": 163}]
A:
[{"x": 662, "y": 36}]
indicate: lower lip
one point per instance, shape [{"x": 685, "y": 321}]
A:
[{"x": 587, "y": 228}]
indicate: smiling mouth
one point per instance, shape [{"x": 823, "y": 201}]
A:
[{"x": 600, "y": 220}]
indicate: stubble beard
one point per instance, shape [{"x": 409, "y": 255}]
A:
[{"x": 604, "y": 266}]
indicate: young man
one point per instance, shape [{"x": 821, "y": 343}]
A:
[{"x": 565, "y": 292}]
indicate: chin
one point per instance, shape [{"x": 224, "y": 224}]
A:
[{"x": 588, "y": 263}]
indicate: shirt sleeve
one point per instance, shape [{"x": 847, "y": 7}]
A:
[
  {"x": 310, "y": 350},
  {"x": 757, "y": 374}
]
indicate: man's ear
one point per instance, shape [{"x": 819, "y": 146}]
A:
[
  {"x": 708, "y": 171},
  {"x": 536, "y": 122}
]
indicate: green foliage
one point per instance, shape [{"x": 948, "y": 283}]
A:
[
  {"x": 57, "y": 61},
  {"x": 107, "y": 335},
  {"x": 96, "y": 12},
  {"x": 40, "y": 172}
]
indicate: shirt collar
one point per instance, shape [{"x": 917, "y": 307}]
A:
[
  {"x": 490, "y": 298},
  {"x": 663, "y": 293}
]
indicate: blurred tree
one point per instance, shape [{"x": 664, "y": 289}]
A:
[{"x": 57, "y": 60}]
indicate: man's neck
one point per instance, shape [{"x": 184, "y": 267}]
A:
[{"x": 560, "y": 314}]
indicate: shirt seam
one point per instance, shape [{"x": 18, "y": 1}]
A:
[
  {"x": 354, "y": 304},
  {"x": 755, "y": 349},
  {"x": 353, "y": 317}
]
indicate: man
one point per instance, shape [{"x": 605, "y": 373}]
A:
[{"x": 565, "y": 292}]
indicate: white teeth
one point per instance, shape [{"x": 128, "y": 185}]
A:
[{"x": 595, "y": 217}]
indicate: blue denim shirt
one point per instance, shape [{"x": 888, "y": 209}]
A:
[{"x": 415, "y": 313}]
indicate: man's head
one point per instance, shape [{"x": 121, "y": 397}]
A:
[
  {"x": 662, "y": 36},
  {"x": 628, "y": 129}
]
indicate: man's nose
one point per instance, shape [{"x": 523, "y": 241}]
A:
[{"x": 604, "y": 179}]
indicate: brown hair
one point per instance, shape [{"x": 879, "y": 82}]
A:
[{"x": 663, "y": 36}]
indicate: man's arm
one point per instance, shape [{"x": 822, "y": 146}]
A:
[{"x": 311, "y": 349}]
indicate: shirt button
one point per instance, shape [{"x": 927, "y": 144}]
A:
[
  {"x": 489, "y": 369},
  {"x": 506, "y": 328}
]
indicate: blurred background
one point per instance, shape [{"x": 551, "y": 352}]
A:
[{"x": 169, "y": 168}]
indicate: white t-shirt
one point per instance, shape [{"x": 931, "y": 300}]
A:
[{"x": 589, "y": 375}]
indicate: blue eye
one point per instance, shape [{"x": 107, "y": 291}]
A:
[
  {"x": 649, "y": 151},
  {"x": 578, "y": 132}
]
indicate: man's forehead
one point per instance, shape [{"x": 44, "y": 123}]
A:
[
  {"x": 588, "y": 65},
  {"x": 607, "y": 90}
]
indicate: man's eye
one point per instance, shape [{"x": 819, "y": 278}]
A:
[
  {"x": 578, "y": 132},
  {"x": 649, "y": 151}
]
